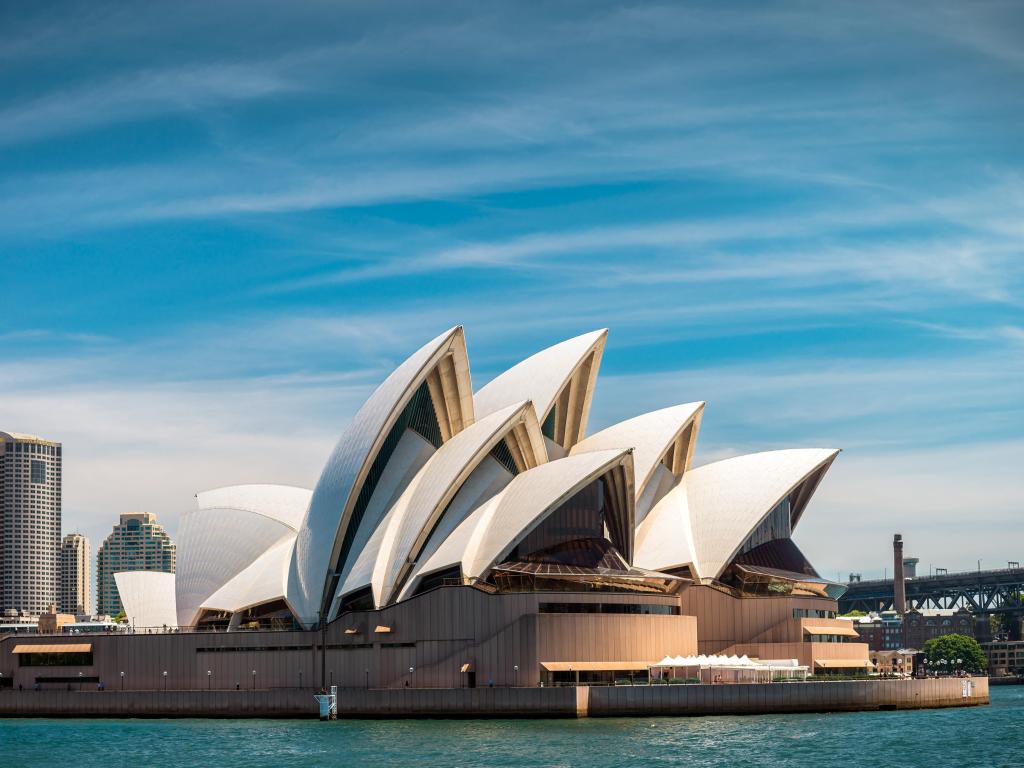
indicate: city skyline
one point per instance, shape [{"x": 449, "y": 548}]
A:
[{"x": 213, "y": 254}]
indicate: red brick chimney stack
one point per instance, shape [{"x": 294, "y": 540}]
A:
[{"x": 899, "y": 589}]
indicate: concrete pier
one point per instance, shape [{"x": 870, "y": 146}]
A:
[{"x": 598, "y": 701}]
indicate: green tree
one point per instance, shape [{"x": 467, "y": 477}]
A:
[
  {"x": 854, "y": 614},
  {"x": 957, "y": 651},
  {"x": 120, "y": 617}
]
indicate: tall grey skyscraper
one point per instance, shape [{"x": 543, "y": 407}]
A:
[
  {"x": 30, "y": 494},
  {"x": 137, "y": 543},
  {"x": 73, "y": 595}
]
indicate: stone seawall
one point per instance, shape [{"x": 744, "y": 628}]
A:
[
  {"x": 832, "y": 696},
  {"x": 681, "y": 700}
]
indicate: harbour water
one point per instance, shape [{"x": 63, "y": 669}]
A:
[{"x": 991, "y": 736}]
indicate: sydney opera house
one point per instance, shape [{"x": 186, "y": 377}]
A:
[{"x": 458, "y": 539}]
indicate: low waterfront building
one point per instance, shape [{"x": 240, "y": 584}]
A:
[
  {"x": 881, "y": 631},
  {"x": 890, "y": 631},
  {"x": 17, "y": 622},
  {"x": 898, "y": 663},
  {"x": 52, "y": 621},
  {"x": 920, "y": 626},
  {"x": 1005, "y": 657}
]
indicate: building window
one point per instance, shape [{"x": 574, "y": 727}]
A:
[
  {"x": 38, "y": 472},
  {"x": 628, "y": 608},
  {"x": 55, "y": 659}
]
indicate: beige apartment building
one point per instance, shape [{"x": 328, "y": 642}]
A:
[
  {"x": 137, "y": 543},
  {"x": 73, "y": 593}
]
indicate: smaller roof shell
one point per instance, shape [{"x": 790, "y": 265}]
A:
[
  {"x": 494, "y": 529},
  {"x": 704, "y": 520},
  {"x": 232, "y": 527},
  {"x": 285, "y": 504},
  {"x": 651, "y": 436},
  {"x": 543, "y": 377},
  {"x": 263, "y": 581},
  {"x": 664, "y": 539},
  {"x": 148, "y": 598},
  {"x": 728, "y": 499}
]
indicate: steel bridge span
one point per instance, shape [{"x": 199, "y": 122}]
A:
[{"x": 981, "y": 592}]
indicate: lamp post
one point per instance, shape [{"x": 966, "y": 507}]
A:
[
  {"x": 515, "y": 668},
  {"x": 122, "y": 681},
  {"x": 366, "y": 672},
  {"x": 209, "y": 676},
  {"x": 254, "y": 679},
  {"x": 79, "y": 681},
  {"x": 411, "y": 670},
  {"x": 165, "y": 681}
]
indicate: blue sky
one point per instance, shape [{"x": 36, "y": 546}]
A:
[{"x": 221, "y": 225}]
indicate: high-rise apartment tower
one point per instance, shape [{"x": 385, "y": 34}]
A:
[
  {"x": 73, "y": 594},
  {"x": 30, "y": 495},
  {"x": 137, "y": 543}
]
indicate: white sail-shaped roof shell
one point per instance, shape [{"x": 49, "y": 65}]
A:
[
  {"x": 494, "y": 529},
  {"x": 148, "y": 598},
  {"x": 443, "y": 365},
  {"x": 665, "y": 436},
  {"x": 567, "y": 370},
  {"x": 264, "y": 580},
  {"x": 707, "y": 518},
  {"x": 231, "y": 528},
  {"x": 436, "y": 484},
  {"x": 664, "y": 538}
]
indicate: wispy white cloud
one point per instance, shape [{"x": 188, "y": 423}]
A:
[
  {"x": 46, "y": 334},
  {"x": 138, "y": 96}
]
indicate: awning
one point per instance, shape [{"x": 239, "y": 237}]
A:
[
  {"x": 842, "y": 663},
  {"x": 822, "y": 629},
  {"x": 380, "y": 629},
  {"x": 467, "y": 667},
  {"x": 706, "y": 661},
  {"x": 52, "y": 648},
  {"x": 596, "y": 666}
]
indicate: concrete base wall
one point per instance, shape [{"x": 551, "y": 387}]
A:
[
  {"x": 681, "y": 700},
  {"x": 831, "y": 696}
]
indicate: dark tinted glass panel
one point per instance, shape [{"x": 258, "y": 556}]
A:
[
  {"x": 358, "y": 601},
  {"x": 55, "y": 659},
  {"x": 617, "y": 608},
  {"x": 774, "y": 527},
  {"x": 581, "y": 517},
  {"x": 548, "y": 428},
  {"x": 441, "y": 578},
  {"x": 501, "y": 454}
]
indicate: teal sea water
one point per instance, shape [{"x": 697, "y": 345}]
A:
[{"x": 984, "y": 736}]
